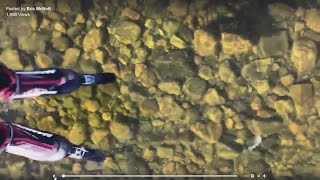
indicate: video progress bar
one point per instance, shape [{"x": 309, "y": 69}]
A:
[{"x": 141, "y": 176}]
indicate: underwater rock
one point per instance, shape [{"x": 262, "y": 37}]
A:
[
  {"x": 280, "y": 11},
  {"x": 11, "y": 59},
  {"x": 165, "y": 152},
  {"x": 234, "y": 44},
  {"x": 149, "y": 107},
  {"x": 5, "y": 41},
  {"x": 92, "y": 105},
  {"x": 68, "y": 6},
  {"x": 205, "y": 44},
  {"x": 16, "y": 169},
  {"x": 69, "y": 103},
  {"x": 98, "y": 135},
  {"x": 98, "y": 55},
  {"x": 138, "y": 69},
  {"x": 43, "y": 61},
  {"x": 77, "y": 134},
  {"x": 71, "y": 57},
  {"x": 32, "y": 44},
  {"x": 205, "y": 72},
  {"x": 156, "y": 9},
  {"x": 168, "y": 108},
  {"x": 264, "y": 128},
  {"x": 107, "y": 116},
  {"x": 60, "y": 26},
  {"x": 256, "y": 103},
  {"x": 80, "y": 19},
  {"x": 194, "y": 88},
  {"x": 148, "y": 39},
  {"x": 23, "y": 26},
  {"x": 87, "y": 66},
  {"x": 287, "y": 80},
  {"x": 150, "y": 23},
  {"x": 275, "y": 45},
  {"x": 304, "y": 55},
  {"x": 77, "y": 168},
  {"x": 302, "y": 95},
  {"x": 148, "y": 78},
  {"x": 178, "y": 8},
  {"x": 61, "y": 43},
  {"x": 225, "y": 73},
  {"x": 257, "y": 70},
  {"x": 262, "y": 86},
  {"x": 170, "y": 87},
  {"x": 212, "y": 97},
  {"x": 177, "y": 42},
  {"x": 167, "y": 63},
  {"x": 75, "y": 32},
  {"x": 130, "y": 13},
  {"x": 121, "y": 131},
  {"x": 125, "y": 31},
  {"x": 207, "y": 131},
  {"x": 94, "y": 120},
  {"x": 312, "y": 19},
  {"x": 283, "y": 107},
  {"x": 93, "y": 39},
  {"x": 299, "y": 26},
  {"x": 225, "y": 152},
  {"x": 47, "y": 123},
  {"x": 250, "y": 162},
  {"x": 214, "y": 114},
  {"x": 170, "y": 27}
]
